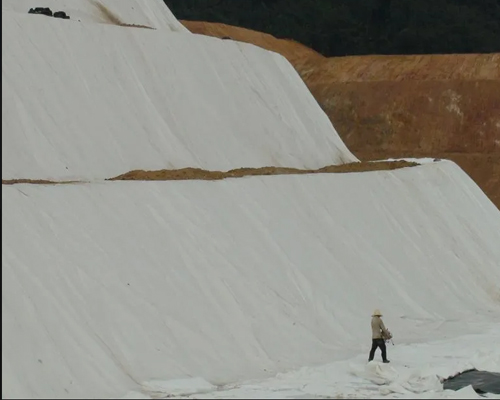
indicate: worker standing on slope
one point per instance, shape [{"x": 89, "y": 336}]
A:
[{"x": 379, "y": 333}]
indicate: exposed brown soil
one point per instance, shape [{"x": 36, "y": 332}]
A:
[
  {"x": 440, "y": 106},
  {"x": 432, "y": 67},
  {"x": 418, "y": 116},
  {"x": 200, "y": 174}
]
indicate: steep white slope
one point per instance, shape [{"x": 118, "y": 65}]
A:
[
  {"x": 152, "y": 13},
  {"x": 93, "y": 101},
  {"x": 106, "y": 285}
]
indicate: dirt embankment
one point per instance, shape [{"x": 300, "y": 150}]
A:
[
  {"x": 201, "y": 174},
  {"x": 442, "y": 106},
  {"x": 447, "y": 103}
]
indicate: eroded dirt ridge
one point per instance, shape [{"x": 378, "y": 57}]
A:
[{"x": 200, "y": 174}]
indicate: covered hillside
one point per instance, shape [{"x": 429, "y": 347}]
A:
[
  {"x": 180, "y": 218},
  {"x": 200, "y": 102}
]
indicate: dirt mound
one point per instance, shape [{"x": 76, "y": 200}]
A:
[
  {"x": 440, "y": 106},
  {"x": 200, "y": 174}
]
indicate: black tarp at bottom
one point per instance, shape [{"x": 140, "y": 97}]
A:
[{"x": 481, "y": 381}]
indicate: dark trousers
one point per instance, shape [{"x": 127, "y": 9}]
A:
[{"x": 375, "y": 344}]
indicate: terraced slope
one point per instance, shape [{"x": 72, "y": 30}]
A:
[{"x": 166, "y": 257}]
